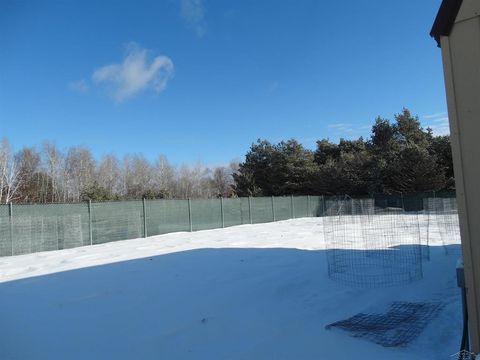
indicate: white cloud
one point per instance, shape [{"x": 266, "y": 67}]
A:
[
  {"x": 438, "y": 122},
  {"x": 342, "y": 127},
  {"x": 193, "y": 14},
  {"x": 436, "y": 115},
  {"x": 347, "y": 130},
  {"x": 79, "y": 86},
  {"x": 135, "y": 74}
]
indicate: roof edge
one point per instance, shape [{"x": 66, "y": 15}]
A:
[{"x": 445, "y": 19}]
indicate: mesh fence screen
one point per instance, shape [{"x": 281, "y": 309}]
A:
[
  {"x": 262, "y": 209},
  {"x": 283, "y": 208},
  {"x": 48, "y": 227},
  {"x": 206, "y": 214},
  {"x": 117, "y": 220},
  {"x": 5, "y": 237},
  {"x": 166, "y": 216},
  {"x": 316, "y": 205},
  {"x": 43, "y": 227},
  {"x": 300, "y": 206},
  {"x": 236, "y": 211}
]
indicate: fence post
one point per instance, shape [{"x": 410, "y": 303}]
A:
[
  {"x": 144, "y": 218},
  {"x": 10, "y": 215},
  {"x": 90, "y": 230},
  {"x": 250, "y": 209},
  {"x": 309, "y": 214},
  {"x": 292, "y": 206},
  {"x": 221, "y": 209},
  {"x": 273, "y": 208},
  {"x": 190, "y": 214},
  {"x": 324, "y": 205},
  {"x": 58, "y": 235},
  {"x": 403, "y": 203}
]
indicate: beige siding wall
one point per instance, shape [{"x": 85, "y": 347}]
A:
[{"x": 461, "y": 57}]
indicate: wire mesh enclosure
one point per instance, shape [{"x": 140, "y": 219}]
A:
[
  {"x": 442, "y": 215},
  {"x": 370, "y": 246}
]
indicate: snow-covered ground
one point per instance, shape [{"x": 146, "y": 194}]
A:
[{"x": 245, "y": 292}]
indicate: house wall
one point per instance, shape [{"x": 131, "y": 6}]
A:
[{"x": 461, "y": 58}]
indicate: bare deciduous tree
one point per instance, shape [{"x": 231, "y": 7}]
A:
[
  {"x": 80, "y": 171},
  {"x": 222, "y": 181},
  {"x": 164, "y": 176},
  {"x": 52, "y": 175},
  {"x": 108, "y": 174},
  {"x": 28, "y": 160},
  {"x": 53, "y": 164},
  {"x": 9, "y": 171}
]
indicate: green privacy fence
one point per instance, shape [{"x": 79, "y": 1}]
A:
[{"x": 29, "y": 228}]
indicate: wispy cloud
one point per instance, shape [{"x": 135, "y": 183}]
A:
[
  {"x": 134, "y": 74},
  {"x": 436, "y": 115},
  {"x": 438, "y": 122},
  {"x": 347, "y": 130},
  {"x": 342, "y": 129},
  {"x": 193, "y": 14},
  {"x": 79, "y": 86}
]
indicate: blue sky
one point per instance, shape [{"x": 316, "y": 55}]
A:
[{"x": 200, "y": 80}]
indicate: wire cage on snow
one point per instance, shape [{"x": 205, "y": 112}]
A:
[
  {"x": 443, "y": 220},
  {"x": 368, "y": 246}
]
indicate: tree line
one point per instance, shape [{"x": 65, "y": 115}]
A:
[
  {"x": 399, "y": 156},
  {"x": 52, "y": 175}
]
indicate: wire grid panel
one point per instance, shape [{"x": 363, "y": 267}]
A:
[
  {"x": 236, "y": 211},
  {"x": 74, "y": 228},
  {"x": 5, "y": 238},
  {"x": 443, "y": 213},
  {"x": 367, "y": 248},
  {"x": 49, "y": 227},
  {"x": 401, "y": 324},
  {"x": 262, "y": 209},
  {"x": 206, "y": 214},
  {"x": 300, "y": 206},
  {"x": 344, "y": 205},
  {"x": 283, "y": 208},
  {"x": 429, "y": 223},
  {"x": 117, "y": 220},
  {"x": 414, "y": 205},
  {"x": 166, "y": 216}
]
